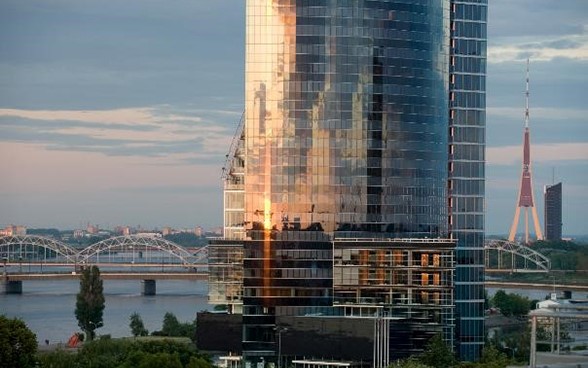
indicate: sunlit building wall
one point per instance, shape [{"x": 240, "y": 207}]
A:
[
  {"x": 345, "y": 136},
  {"x": 346, "y": 116}
]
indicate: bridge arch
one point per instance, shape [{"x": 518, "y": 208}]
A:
[
  {"x": 11, "y": 248},
  {"x": 135, "y": 243},
  {"x": 526, "y": 254}
]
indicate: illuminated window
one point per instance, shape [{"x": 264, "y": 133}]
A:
[{"x": 424, "y": 259}]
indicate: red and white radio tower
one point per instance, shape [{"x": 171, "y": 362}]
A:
[{"x": 525, "y": 198}]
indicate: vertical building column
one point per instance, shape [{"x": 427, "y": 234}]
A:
[
  {"x": 12, "y": 286},
  {"x": 533, "y": 355},
  {"x": 381, "y": 342},
  {"x": 149, "y": 287}
]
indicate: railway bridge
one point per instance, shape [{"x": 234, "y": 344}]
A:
[{"x": 146, "y": 258}]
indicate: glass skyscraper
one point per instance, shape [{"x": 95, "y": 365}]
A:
[
  {"x": 467, "y": 126},
  {"x": 552, "y": 211},
  {"x": 346, "y": 116},
  {"x": 364, "y": 119}
]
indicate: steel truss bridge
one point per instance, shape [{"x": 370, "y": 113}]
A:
[
  {"x": 31, "y": 253},
  {"x": 36, "y": 254},
  {"x": 507, "y": 256}
]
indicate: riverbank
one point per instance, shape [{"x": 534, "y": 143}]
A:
[
  {"x": 48, "y": 307},
  {"x": 535, "y": 285}
]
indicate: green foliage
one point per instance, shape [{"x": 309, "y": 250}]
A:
[
  {"x": 18, "y": 345},
  {"x": 516, "y": 343},
  {"x": 58, "y": 359},
  {"x": 182, "y": 350},
  {"x": 125, "y": 353},
  {"x": 174, "y": 328},
  {"x": 511, "y": 304},
  {"x": 409, "y": 363},
  {"x": 90, "y": 302},
  {"x": 493, "y": 358},
  {"x": 564, "y": 255},
  {"x": 137, "y": 326},
  {"x": 104, "y": 353},
  {"x": 438, "y": 354},
  {"x": 171, "y": 325},
  {"x": 198, "y": 363},
  {"x": 141, "y": 359}
]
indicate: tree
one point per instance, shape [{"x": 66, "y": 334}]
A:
[
  {"x": 511, "y": 304},
  {"x": 18, "y": 345},
  {"x": 157, "y": 360},
  {"x": 438, "y": 354},
  {"x": 129, "y": 353},
  {"x": 171, "y": 325},
  {"x": 58, "y": 359},
  {"x": 90, "y": 302},
  {"x": 137, "y": 326},
  {"x": 408, "y": 363},
  {"x": 493, "y": 358},
  {"x": 198, "y": 362}
]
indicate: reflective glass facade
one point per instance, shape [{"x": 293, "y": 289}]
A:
[
  {"x": 467, "y": 124},
  {"x": 225, "y": 274},
  {"x": 552, "y": 214},
  {"x": 346, "y": 134},
  {"x": 289, "y": 278},
  {"x": 346, "y": 116},
  {"x": 407, "y": 279}
]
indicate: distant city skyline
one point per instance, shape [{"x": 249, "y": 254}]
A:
[{"x": 121, "y": 113}]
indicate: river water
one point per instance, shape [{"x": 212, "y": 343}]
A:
[{"x": 48, "y": 307}]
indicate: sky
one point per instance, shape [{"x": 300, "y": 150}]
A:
[{"x": 121, "y": 112}]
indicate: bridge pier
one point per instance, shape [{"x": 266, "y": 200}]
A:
[
  {"x": 12, "y": 286},
  {"x": 149, "y": 287}
]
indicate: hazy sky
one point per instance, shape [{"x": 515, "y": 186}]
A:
[{"x": 121, "y": 112}]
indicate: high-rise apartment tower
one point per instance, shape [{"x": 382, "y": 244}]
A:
[
  {"x": 363, "y": 120},
  {"x": 553, "y": 205},
  {"x": 467, "y": 137}
]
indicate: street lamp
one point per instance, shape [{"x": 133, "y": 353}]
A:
[{"x": 279, "y": 330}]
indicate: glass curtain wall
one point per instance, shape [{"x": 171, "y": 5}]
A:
[
  {"x": 346, "y": 116},
  {"x": 466, "y": 168},
  {"x": 345, "y": 133}
]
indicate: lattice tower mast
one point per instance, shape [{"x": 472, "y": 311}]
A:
[{"x": 525, "y": 198}]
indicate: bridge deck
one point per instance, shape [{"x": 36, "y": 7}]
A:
[{"x": 112, "y": 276}]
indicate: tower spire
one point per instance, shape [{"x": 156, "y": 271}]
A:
[
  {"x": 525, "y": 198},
  {"x": 527, "y": 98}
]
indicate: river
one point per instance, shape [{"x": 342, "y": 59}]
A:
[{"x": 48, "y": 307}]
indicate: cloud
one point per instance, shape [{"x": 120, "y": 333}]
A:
[
  {"x": 570, "y": 47},
  {"x": 114, "y": 116},
  {"x": 538, "y": 18},
  {"x": 510, "y": 155},
  {"x": 547, "y": 31},
  {"x": 149, "y": 132}
]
